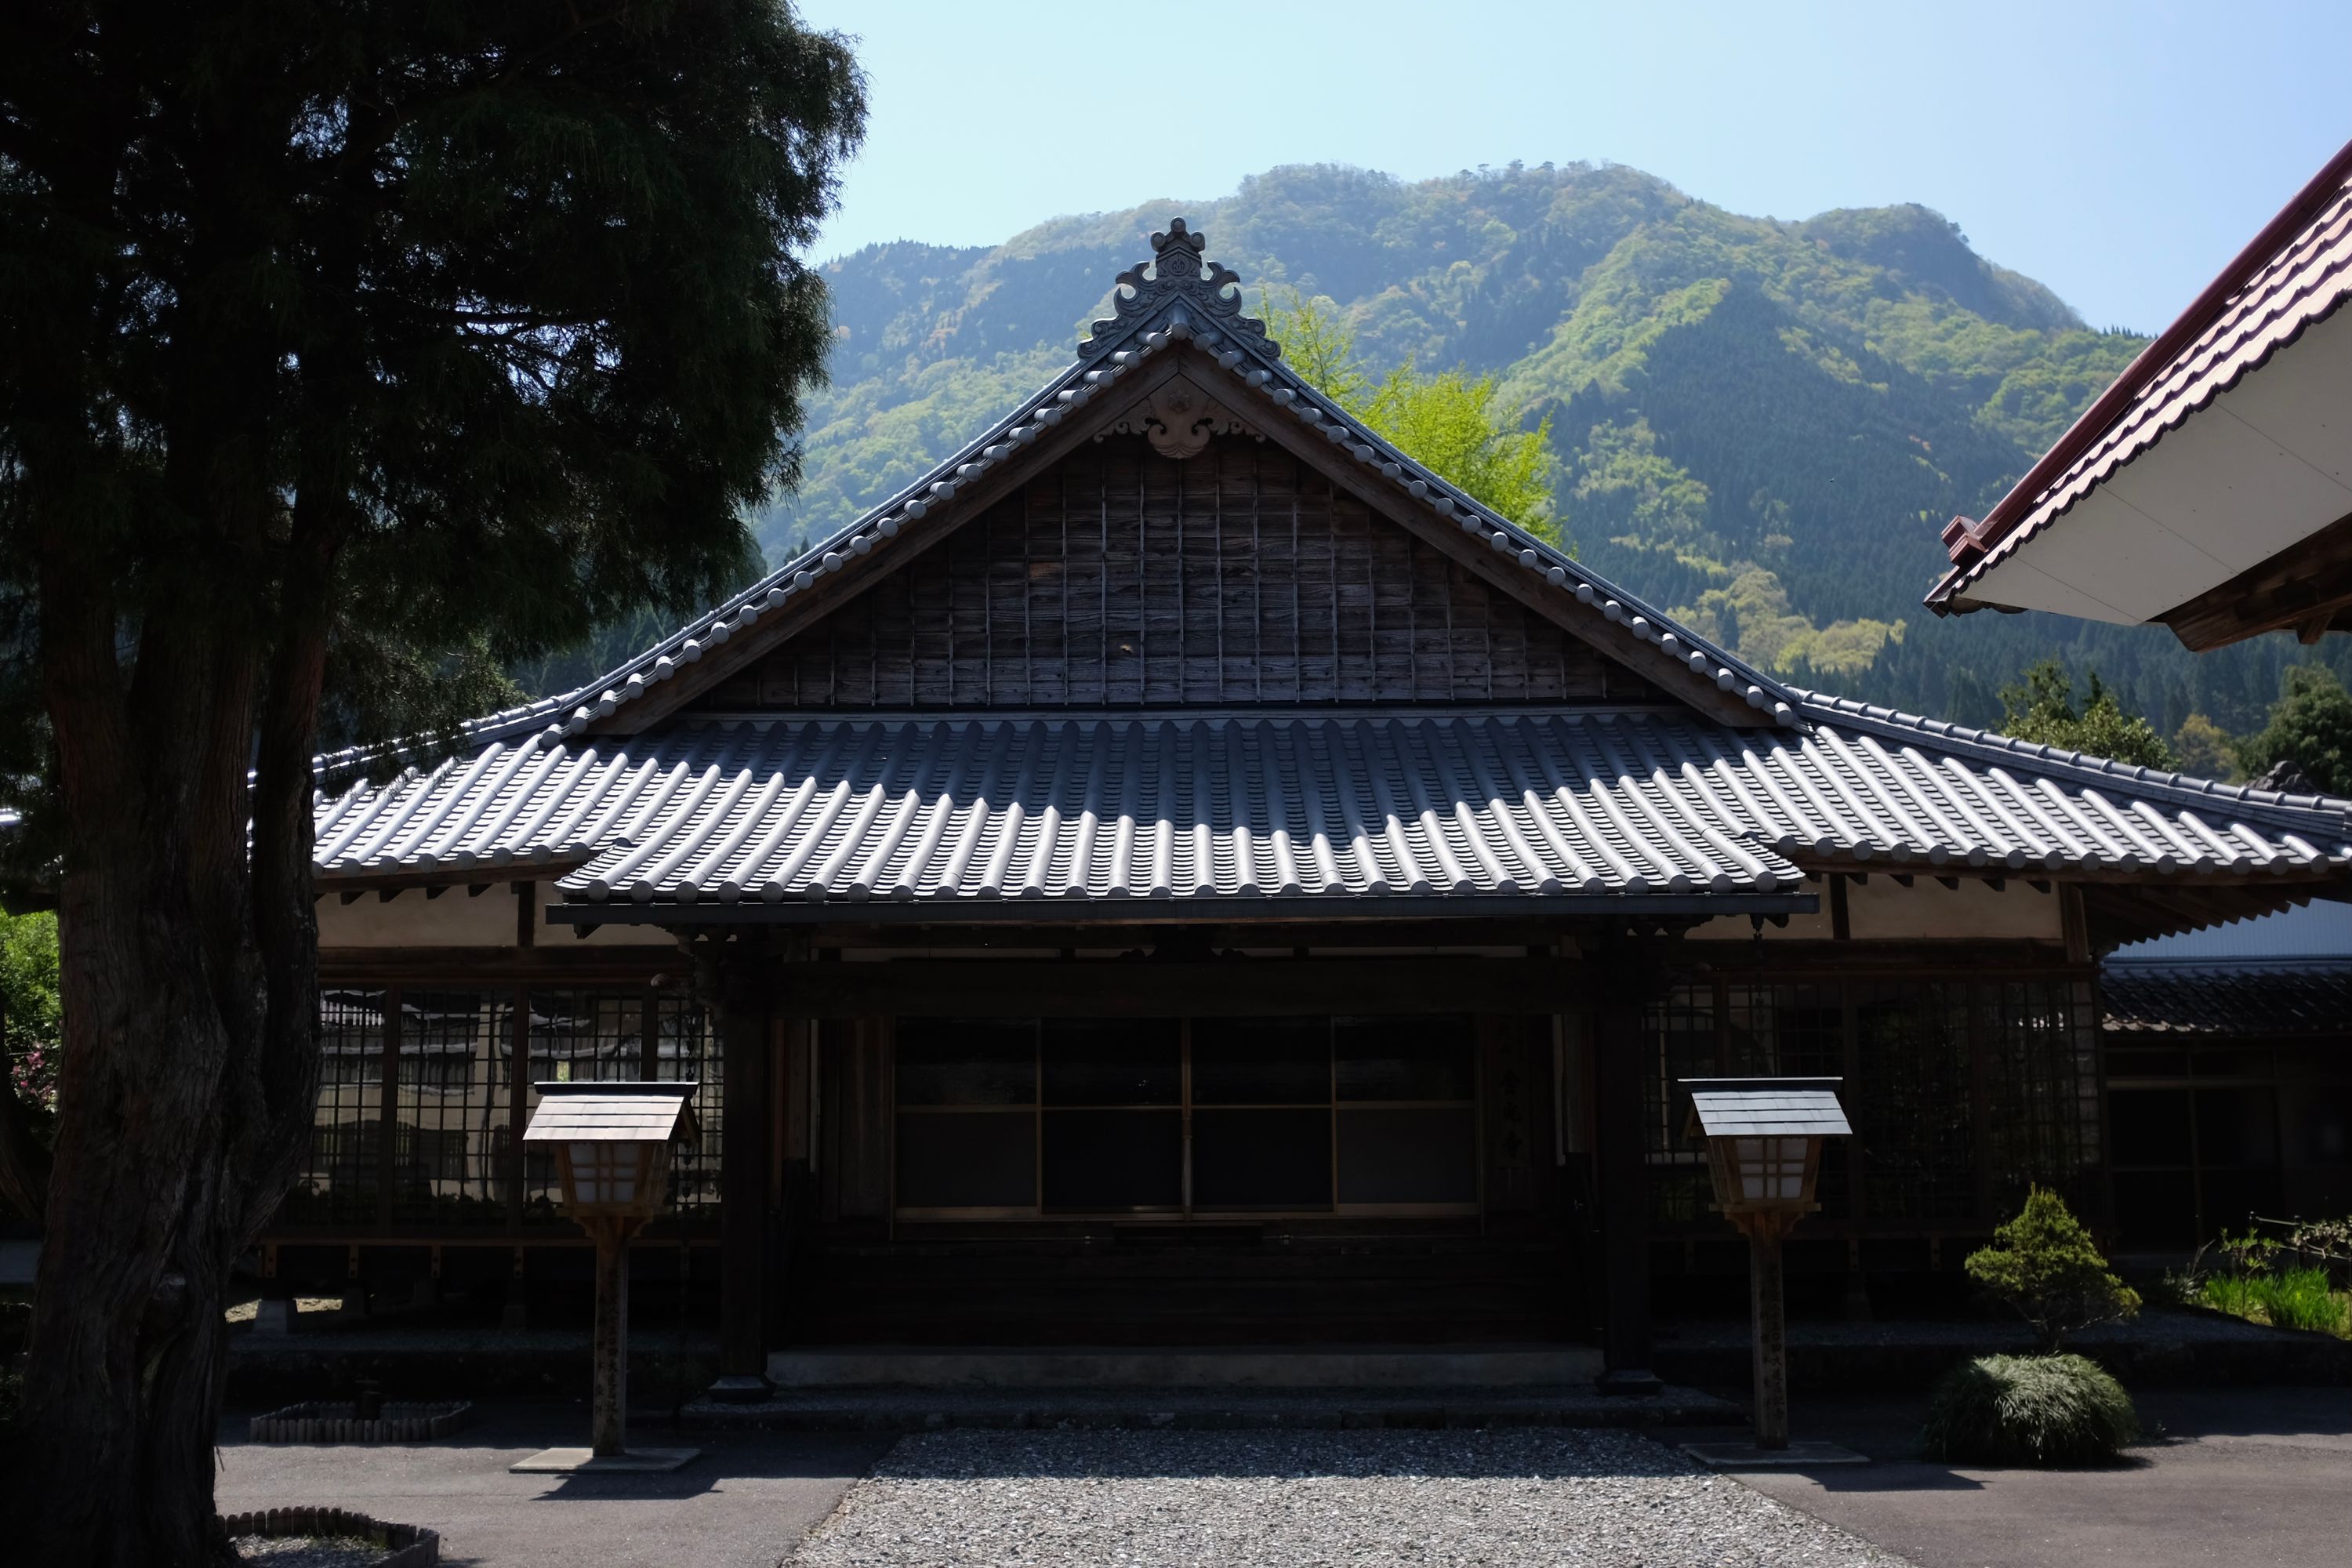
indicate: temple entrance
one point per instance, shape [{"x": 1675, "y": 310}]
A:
[{"x": 1193, "y": 1181}]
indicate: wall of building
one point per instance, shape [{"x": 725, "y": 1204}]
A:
[
  {"x": 459, "y": 917},
  {"x": 1882, "y": 910}
]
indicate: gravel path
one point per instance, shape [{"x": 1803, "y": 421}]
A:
[{"x": 1302, "y": 1500}]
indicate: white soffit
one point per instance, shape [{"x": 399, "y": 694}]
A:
[{"x": 2266, "y": 464}]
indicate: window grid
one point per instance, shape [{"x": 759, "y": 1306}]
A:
[
  {"x": 451, "y": 1112},
  {"x": 339, "y": 1181},
  {"x": 1962, "y": 1094}
]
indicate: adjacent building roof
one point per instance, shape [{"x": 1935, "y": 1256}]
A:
[
  {"x": 615, "y": 1113},
  {"x": 941, "y": 809},
  {"x": 2276, "y": 474},
  {"x": 1768, "y": 1107},
  {"x": 2248, "y": 997}
]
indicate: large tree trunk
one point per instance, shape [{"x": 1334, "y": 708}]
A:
[{"x": 188, "y": 957}]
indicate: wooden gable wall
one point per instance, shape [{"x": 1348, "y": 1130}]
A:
[{"x": 1121, "y": 576}]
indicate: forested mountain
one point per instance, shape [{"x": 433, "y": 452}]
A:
[{"x": 1760, "y": 424}]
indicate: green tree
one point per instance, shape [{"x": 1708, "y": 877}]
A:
[
  {"x": 2310, "y": 725},
  {"x": 2040, "y": 709},
  {"x": 347, "y": 353},
  {"x": 2205, "y": 749},
  {"x": 28, "y": 1056},
  {"x": 2044, "y": 1265},
  {"x": 1449, "y": 422}
]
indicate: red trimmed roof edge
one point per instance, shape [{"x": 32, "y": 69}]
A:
[{"x": 1966, "y": 542}]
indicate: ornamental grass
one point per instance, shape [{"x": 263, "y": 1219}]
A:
[{"x": 2043, "y": 1411}]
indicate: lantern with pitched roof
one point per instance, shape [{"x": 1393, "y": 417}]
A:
[
  {"x": 1764, "y": 1138},
  {"x": 611, "y": 1143}
]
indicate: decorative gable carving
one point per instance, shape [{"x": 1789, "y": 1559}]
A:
[{"x": 1179, "y": 419}]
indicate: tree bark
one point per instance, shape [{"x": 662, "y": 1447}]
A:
[{"x": 186, "y": 948}]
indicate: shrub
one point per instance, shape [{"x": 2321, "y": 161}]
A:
[
  {"x": 2028, "y": 1410},
  {"x": 2045, "y": 1264}
]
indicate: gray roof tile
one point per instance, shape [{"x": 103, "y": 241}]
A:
[{"x": 1279, "y": 803}]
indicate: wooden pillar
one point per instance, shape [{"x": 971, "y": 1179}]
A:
[
  {"x": 1769, "y": 1324},
  {"x": 737, "y": 980},
  {"x": 609, "y": 1409},
  {"x": 1625, "y": 978}
]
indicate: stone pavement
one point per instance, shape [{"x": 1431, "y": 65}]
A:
[
  {"x": 745, "y": 1503},
  {"x": 2242, "y": 1477}
]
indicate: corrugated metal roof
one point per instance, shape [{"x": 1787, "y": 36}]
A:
[
  {"x": 2284, "y": 998},
  {"x": 617, "y": 1112},
  {"x": 2304, "y": 282},
  {"x": 1317, "y": 804},
  {"x": 1768, "y": 1107}
]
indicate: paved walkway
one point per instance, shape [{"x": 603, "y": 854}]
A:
[
  {"x": 745, "y": 1503},
  {"x": 2244, "y": 1477}
]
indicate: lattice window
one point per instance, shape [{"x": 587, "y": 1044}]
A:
[
  {"x": 687, "y": 1047},
  {"x": 1796, "y": 1031},
  {"x": 455, "y": 1052},
  {"x": 340, "y": 1180},
  {"x": 1911, "y": 1101},
  {"x": 1684, "y": 1043},
  {"x": 2042, "y": 1085}
]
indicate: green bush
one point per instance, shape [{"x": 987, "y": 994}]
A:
[
  {"x": 2028, "y": 1410},
  {"x": 2044, "y": 1264}
]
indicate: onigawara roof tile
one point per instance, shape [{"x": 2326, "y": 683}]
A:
[
  {"x": 2266, "y": 302},
  {"x": 1478, "y": 804},
  {"x": 2245, "y": 998}
]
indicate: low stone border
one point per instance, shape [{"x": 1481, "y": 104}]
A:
[
  {"x": 338, "y": 1421},
  {"x": 405, "y": 1545}
]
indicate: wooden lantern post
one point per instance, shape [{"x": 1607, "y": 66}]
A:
[
  {"x": 612, "y": 1144},
  {"x": 1764, "y": 1138}
]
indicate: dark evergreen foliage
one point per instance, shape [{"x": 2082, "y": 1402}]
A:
[{"x": 348, "y": 355}]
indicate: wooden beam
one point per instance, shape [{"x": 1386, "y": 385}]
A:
[
  {"x": 2306, "y": 588},
  {"x": 500, "y": 966},
  {"x": 951, "y": 987}
]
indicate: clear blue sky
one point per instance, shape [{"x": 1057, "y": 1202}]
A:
[{"x": 2120, "y": 154}]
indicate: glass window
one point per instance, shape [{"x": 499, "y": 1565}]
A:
[
  {"x": 1262, "y": 1159},
  {"x": 1124, "y": 1061},
  {"x": 1262, "y": 1062},
  {"x": 1403, "y": 1059},
  {"x": 967, "y": 1061}
]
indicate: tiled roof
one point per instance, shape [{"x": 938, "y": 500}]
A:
[
  {"x": 2301, "y": 997},
  {"x": 1767, "y": 1106},
  {"x": 2266, "y": 302},
  {"x": 1180, "y": 304},
  {"x": 1358, "y": 806}
]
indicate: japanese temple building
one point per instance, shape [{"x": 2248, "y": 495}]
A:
[{"x": 1182, "y": 872}]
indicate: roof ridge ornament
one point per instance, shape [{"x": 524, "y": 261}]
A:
[{"x": 1177, "y": 277}]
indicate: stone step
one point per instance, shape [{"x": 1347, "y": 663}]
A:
[
  {"x": 925, "y": 1410},
  {"x": 1366, "y": 1367}
]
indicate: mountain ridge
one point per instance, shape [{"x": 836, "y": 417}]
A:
[{"x": 1760, "y": 423}]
